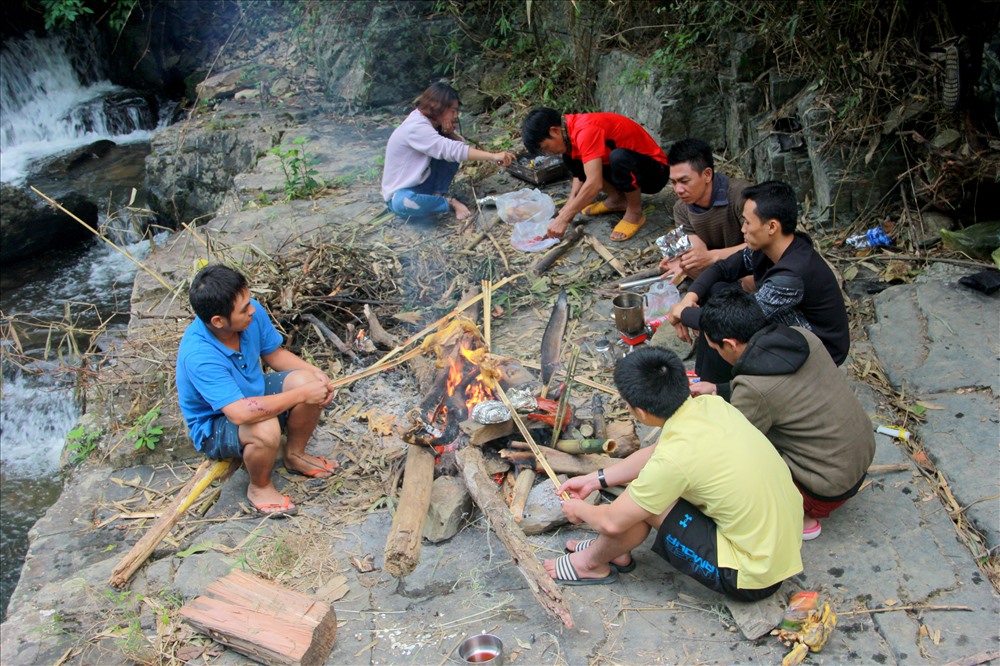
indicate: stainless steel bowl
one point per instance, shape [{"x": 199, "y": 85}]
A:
[{"x": 482, "y": 649}]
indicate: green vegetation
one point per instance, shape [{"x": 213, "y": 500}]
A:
[
  {"x": 81, "y": 442},
  {"x": 63, "y": 13},
  {"x": 145, "y": 431},
  {"x": 297, "y": 165}
]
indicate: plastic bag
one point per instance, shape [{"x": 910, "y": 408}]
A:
[
  {"x": 659, "y": 299},
  {"x": 530, "y": 236},
  {"x": 527, "y": 205},
  {"x": 979, "y": 241}
]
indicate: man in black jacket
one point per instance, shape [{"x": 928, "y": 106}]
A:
[{"x": 795, "y": 286}]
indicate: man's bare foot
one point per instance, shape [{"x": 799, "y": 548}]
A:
[
  {"x": 462, "y": 212},
  {"x": 314, "y": 466},
  {"x": 269, "y": 500},
  {"x": 578, "y": 560},
  {"x": 622, "y": 560}
]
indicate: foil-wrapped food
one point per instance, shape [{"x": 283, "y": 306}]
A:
[
  {"x": 673, "y": 244},
  {"x": 489, "y": 412},
  {"x": 522, "y": 398}
]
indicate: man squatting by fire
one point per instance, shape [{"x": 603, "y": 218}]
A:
[
  {"x": 787, "y": 385},
  {"x": 422, "y": 157},
  {"x": 746, "y": 537},
  {"x": 604, "y": 152},
  {"x": 234, "y": 410}
]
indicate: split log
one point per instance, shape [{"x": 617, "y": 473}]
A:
[
  {"x": 207, "y": 472},
  {"x": 378, "y": 334},
  {"x": 561, "y": 463},
  {"x": 402, "y": 547},
  {"x": 268, "y": 623},
  {"x": 479, "y": 433},
  {"x": 550, "y": 257},
  {"x": 483, "y": 491},
  {"x": 522, "y": 488}
]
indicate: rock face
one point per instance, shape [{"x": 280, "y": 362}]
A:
[
  {"x": 451, "y": 506},
  {"x": 193, "y": 163},
  {"x": 383, "y": 64},
  {"x": 783, "y": 135},
  {"x": 29, "y": 226}
]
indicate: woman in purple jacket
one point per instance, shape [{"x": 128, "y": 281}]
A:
[{"x": 422, "y": 157}]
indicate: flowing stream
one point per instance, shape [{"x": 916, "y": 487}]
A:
[{"x": 53, "y": 98}]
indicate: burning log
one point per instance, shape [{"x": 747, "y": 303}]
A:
[
  {"x": 483, "y": 491},
  {"x": 402, "y": 547}
]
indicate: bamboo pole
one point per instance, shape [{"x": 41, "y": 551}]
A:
[
  {"x": 207, "y": 472},
  {"x": 458, "y": 309},
  {"x": 97, "y": 233},
  {"x": 539, "y": 456}
]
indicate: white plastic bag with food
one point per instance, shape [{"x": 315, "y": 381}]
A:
[
  {"x": 527, "y": 205},
  {"x": 530, "y": 236}
]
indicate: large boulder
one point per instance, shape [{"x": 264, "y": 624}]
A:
[{"x": 29, "y": 226}]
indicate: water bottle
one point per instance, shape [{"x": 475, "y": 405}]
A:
[{"x": 874, "y": 237}]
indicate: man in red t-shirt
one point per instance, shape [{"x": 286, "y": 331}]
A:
[{"x": 603, "y": 151}]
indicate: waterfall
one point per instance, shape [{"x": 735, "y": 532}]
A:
[{"x": 55, "y": 97}]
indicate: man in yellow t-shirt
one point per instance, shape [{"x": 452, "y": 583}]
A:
[{"x": 720, "y": 497}]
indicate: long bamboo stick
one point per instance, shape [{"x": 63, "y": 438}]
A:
[
  {"x": 104, "y": 238},
  {"x": 539, "y": 456},
  {"x": 207, "y": 472}
]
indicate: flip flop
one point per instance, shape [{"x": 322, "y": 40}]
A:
[
  {"x": 315, "y": 472},
  {"x": 627, "y": 228},
  {"x": 283, "y": 510},
  {"x": 587, "y": 543},
  {"x": 567, "y": 575},
  {"x": 599, "y": 208}
]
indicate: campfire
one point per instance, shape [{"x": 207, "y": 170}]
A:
[{"x": 464, "y": 374}]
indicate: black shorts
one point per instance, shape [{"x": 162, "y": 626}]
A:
[
  {"x": 687, "y": 539},
  {"x": 627, "y": 170}
]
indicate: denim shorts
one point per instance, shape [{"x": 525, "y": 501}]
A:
[{"x": 224, "y": 442}]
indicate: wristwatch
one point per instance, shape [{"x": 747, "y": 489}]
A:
[{"x": 601, "y": 479}]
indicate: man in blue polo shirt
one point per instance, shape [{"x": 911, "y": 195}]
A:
[{"x": 234, "y": 410}]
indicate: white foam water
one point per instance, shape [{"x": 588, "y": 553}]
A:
[{"x": 35, "y": 417}]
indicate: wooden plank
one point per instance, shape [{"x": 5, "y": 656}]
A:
[
  {"x": 264, "y": 621},
  {"x": 484, "y": 492},
  {"x": 402, "y": 547}
]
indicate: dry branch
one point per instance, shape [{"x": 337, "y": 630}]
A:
[
  {"x": 207, "y": 472},
  {"x": 483, "y": 491}
]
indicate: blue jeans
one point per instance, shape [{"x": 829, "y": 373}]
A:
[{"x": 424, "y": 200}]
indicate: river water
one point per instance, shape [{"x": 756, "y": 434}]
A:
[{"x": 50, "y": 102}]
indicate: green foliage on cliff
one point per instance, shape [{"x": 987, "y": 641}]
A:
[{"x": 63, "y": 13}]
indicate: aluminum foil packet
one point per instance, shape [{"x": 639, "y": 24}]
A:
[
  {"x": 673, "y": 244},
  {"x": 522, "y": 398},
  {"x": 490, "y": 411}
]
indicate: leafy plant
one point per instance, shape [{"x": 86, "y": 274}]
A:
[
  {"x": 296, "y": 163},
  {"x": 145, "y": 431},
  {"x": 81, "y": 442}
]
